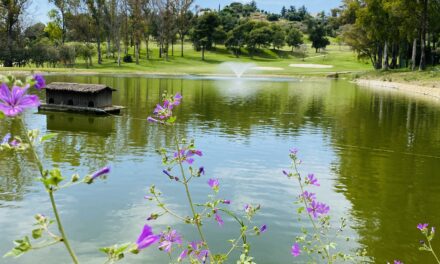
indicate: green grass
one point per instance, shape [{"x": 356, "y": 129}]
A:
[{"x": 341, "y": 58}]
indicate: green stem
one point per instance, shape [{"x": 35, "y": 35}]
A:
[
  {"x": 433, "y": 253},
  {"x": 310, "y": 217},
  {"x": 52, "y": 200},
  {"x": 188, "y": 194}
]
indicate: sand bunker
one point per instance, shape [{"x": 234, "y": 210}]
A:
[
  {"x": 267, "y": 68},
  {"x": 315, "y": 66}
]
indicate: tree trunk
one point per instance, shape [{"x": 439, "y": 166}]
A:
[
  {"x": 108, "y": 47},
  {"x": 379, "y": 58},
  {"x": 181, "y": 46},
  {"x": 203, "y": 53},
  {"x": 414, "y": 54},
  {"x": 119, "y": 53},
  {"x": 99, "y": 50},
  {"x": 386, "y": 66},
  {"x": 147, "y": 46},
  {"x": 422, "y": 65},
  {"x": 172, "y": 48},
  {"x": 136, "y": 52},
  {"x": 394, "y": 53}
]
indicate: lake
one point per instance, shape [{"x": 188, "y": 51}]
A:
[{"x": 375, "y": 152}]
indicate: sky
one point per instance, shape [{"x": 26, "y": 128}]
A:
[{"x": 38, "y": 9}]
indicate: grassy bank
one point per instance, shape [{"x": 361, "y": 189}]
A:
[
  {"x": 429, "y": 78},
  {"x": 270, "y": 62}
]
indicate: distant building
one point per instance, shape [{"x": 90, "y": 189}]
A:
[{"x": 78, "y": 97}]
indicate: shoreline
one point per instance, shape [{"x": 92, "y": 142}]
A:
[{"x": 408, "y": 88}]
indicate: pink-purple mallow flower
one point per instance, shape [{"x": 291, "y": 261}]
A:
[
  {"x": 263, "y": 228},
  {"x": 7, "y": 141},
  {"x": 293, "y": 151},
  {"x": 169, "y": 239},
  {"x": 218, "y": 218},
  {"x": 164, "y": 112},
  {"x": 40, "y": 83},
  {"x": 146, "y": 238},
  {"x": 196, "y": 250},
  {"x": 317, "y": 209},
  {"x": 296, "y": 250},
  {"x": 309, "y": 196},
  {"x": 14, "y": 102},
  {"x": 422, "y": 227},
  {"x": 186, "y": 155},
  {"x": 214, "y": 184},
  {"x": 312, "y": 180},
  {"x": 226, "y": 201},
  {"x": 99, "y": 173}
]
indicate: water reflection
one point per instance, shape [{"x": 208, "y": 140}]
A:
[{"x": 376, "y": 152}]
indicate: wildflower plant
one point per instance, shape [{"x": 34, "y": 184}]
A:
[
  {"x": 316, "y": 243},
  {"x": 180, "y": 167},
  {"x": 14, "y": 99},
  {"x": 426, "y": 245}
]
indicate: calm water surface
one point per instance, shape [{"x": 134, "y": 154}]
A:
[{"x": 376, "y": 153}]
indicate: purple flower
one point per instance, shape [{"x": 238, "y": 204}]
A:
[
  {"x": 167, "y": 173},
  {"x": 146, "y": 238},
  {"x": 100, "y": 172},
  {"x": 219, "y": 219},
  {"x": 14, "y": 143},
  {"x": 293, "y": 151},
  {"x": 316, "y": 209},
  {"x": 177, "y": 98},
  {"x": 198, "y": 252},
  {"x": 296, "y": 251},
  {"x": 422, "y": 227},
  {"x": 168, "y": 239},
  {"x": 226, "y": 201},
  {"x": 312, "y": 180},
  {"x": 286, "y": 173},
  {"x": 146, "y": 197},
  {"x": 263, "y": 228},
  {"x": 247, "y": 208},
  {"x": 308, "y": 196},
  {"x": 40, "y": 83},
  {"x": 201, "y": 171},
  {"x": 213, "y": 183},
  {"x": 6, "y": 139},
  {"x": 152, "y": 120},
  {"x": 398, "y": 262},
  {"x": 185, "y": 155},
  {"x": 14, "y": 102}
]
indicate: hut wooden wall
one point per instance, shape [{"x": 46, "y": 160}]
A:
[{"x": 100, "y": 99}]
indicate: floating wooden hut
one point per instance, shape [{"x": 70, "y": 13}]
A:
[{"x": 76, "y": 97}]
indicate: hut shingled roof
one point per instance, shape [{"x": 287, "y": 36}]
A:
[{"x": 77, "y": 87}]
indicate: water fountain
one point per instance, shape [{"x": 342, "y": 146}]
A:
[{"x": 238, "y": 68}]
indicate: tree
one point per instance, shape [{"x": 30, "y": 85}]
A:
[
  {"x": 294, "y": 38},
  {"x": 183, "y": 20},
  {"x": 12, "y": 10},
  {"x": 278, "y": 36},
  {"x": 318, "y": 38},
  {"x": 63, "y": 7},
  {"x": 203, "y": 31},
  {"x": 96, "y": 8}
]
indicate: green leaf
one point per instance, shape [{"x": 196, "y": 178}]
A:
[
  {"x": 300, "y": 210},
  {"x": 2, "y": 115},
  {"x": 21, "y": 246},
  {"x": 55, "y": 177},
  {"x": 47, "y": 137},
  {"x": 36, "y": 233}
]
